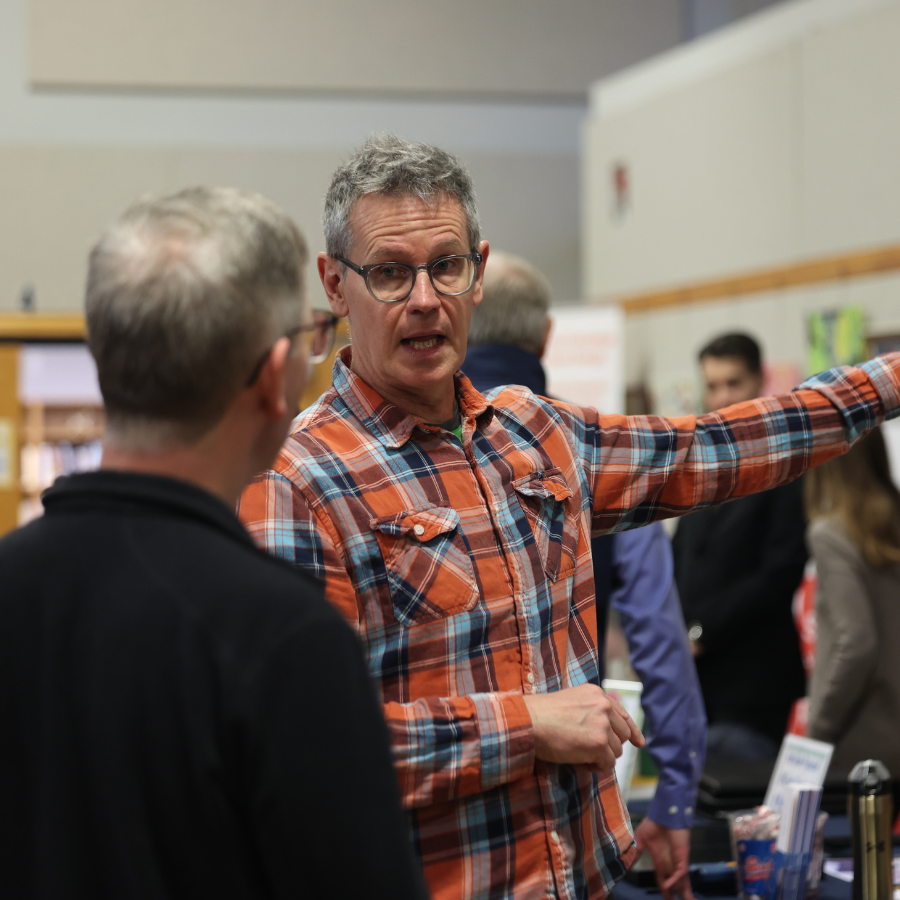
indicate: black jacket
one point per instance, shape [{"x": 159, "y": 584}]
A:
[
  {"x": 737, "y": 567},
  {"x": 180, "y": 714}
]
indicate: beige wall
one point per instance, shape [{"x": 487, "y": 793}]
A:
[
  {"x": 712, "y": 173},
  {"x": 772, "y": 142},
  {"x": 56, "y": 200},
  {"x": 526, "y": 47},
  {"x": 72, "y": 157},
  {"x": 849, "y": 187}
]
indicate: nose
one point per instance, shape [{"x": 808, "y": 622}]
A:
[{"x": 423, "y": 297}]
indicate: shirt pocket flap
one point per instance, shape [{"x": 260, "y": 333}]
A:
[
  {"x": 429, "y": 572},
  {"x": 543, "y": 496},
  {"x": 418, "y": 524},
  {"x": 548, "y": 485}
]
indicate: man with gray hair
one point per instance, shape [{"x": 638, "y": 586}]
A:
[
  {"x": 183, "y": 715},
  {"x": 454, "y": 534},
  {"x": 633, "y": 574}
]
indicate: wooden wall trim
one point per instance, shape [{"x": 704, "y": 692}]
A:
[
  {"x": 813, "y": 271},
  {"x": 42, "y": 326}
]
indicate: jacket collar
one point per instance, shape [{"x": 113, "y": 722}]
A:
[
  {"x": 390, "y": 424},
  {"x": 134, "y": 491},
  {"x": 492, "y": 365}
]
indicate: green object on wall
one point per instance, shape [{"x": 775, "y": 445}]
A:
[{"x": 836, "y": 337}]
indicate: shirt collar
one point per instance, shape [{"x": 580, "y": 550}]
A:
[
  {"x": 139, "y": 490},
  {"x": 390, "y": 424},
  {"x": 492, "y": 365}
]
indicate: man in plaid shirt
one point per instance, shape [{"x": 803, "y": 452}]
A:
[{"x": 454, "y": 532}]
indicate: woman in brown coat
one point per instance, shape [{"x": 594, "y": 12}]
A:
[{"x": 854, "y": 536}]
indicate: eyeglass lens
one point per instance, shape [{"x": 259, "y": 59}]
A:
[
  {"x": 321, "y": 337},
  {"x": 450, "y": 275}
]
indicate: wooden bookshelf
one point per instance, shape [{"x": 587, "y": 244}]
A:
[
  {"x": 42, "y": 327},
  {"x": 9, "y": 425},
  {"x": 34, "y": 424}
]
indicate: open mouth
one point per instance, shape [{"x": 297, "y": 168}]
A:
[{"x": 429, "y": 342}]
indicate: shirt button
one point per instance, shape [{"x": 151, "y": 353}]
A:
[
  {"x": 693, "y": 754},
  {"x": 688, "y": 810},
  {"x": 531, "y": 677},
  {"x": 673, "y": 810},
  {"x": 554, "y": 836},
  {"x": 419, "y": 530}
]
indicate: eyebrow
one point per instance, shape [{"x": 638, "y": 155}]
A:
[{"x": 449, "y": 247}]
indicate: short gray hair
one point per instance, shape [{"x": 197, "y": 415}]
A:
[
  {"x": 386, "y": 164},
  {"x": 515, "y": 305},
  {"x": 184, "y": 294}
]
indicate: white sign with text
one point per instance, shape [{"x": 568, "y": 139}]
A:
[
  {"x": 584, "y": 358},
  {"x": 801, "y": 760}
]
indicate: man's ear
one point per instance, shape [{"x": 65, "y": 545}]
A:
[
  {"x": 271, "y": 385},
  {"x": 548, "y": 327},
  {"x": 330, "y": 273},
  {"x": 484, "y": 248}
]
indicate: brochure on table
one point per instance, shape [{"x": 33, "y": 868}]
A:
[{"x": 801, "y": 760}]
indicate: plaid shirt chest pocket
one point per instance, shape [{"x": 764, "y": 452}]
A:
[
  {"x": 427, "y": 562},
  {"x": 544, "y": 498}
]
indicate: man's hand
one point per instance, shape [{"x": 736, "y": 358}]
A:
[
  {"x": 669, "y": 848},
  {"x": 581, "y": 725}
]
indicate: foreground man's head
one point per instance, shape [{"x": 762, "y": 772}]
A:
[
  {"x": 404, "y": 263},
  {"x": 195, "y": 303}
]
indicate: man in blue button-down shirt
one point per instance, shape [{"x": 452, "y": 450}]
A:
[
  {"x": 633, "y": 574},
  {"x": 647, "y": 601}
]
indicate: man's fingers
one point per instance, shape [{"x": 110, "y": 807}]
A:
[
  {"x": 606, "y": 762},
  {"x": 680, "y": 883},
  {"x": 662, "y": 863},
  {"x": 623, "y": 725},
  {"x": 614, "y": 744}
]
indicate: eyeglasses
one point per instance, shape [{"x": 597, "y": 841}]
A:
[
  {"x": 319, "y": 340},
  {"x": 392, "y": 282}
]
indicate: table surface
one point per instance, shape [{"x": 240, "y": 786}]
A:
[
  {"x": 829, "y": 889},
  {"x": 836, "y": 833}
]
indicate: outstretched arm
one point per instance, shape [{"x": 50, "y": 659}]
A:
[{"x": 644, "y": 468}]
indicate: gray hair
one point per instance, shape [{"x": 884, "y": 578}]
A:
[
  {"x": 386, "y": 164},
  {"x": 514, "y": 308},
  {"x": 184, "y": 294}
]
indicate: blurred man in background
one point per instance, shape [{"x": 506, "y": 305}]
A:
[
  {"x": 182, "y": 715},
  {"x": 632, "y": 573},
  {"x": 737, "y": 567}
]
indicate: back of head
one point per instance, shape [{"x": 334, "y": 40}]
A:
[
  {"x": 515, "y": 304},
  {"x": 388, "y": 165},
  {"x": 856, "y": 489},
  {"x": 735, "y": 345},
  {"x": 183, "y": 294}
]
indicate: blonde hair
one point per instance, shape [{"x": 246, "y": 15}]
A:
[{"x": 856, "y": 489}]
